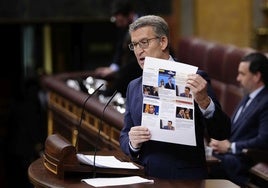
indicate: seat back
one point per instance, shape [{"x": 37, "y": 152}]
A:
[
  {"x": 184, "y": 46},
  {"x": 215, "y": 61},
  {"x": 199, "y": 52},
  {"x": 231, "y": 63}
]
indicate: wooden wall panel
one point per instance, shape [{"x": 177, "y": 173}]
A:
[{"x": 225, "y": 21}]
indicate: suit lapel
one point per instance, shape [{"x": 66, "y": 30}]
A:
[
  {"x": 235, "y": 112},
  {"x": 249, "y": 111},
  {"x": 237, "y": 109}
]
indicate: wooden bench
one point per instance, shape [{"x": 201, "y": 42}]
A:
[
  {"x": 259, "y": 172},
  {"x": 220, "y": 62}
]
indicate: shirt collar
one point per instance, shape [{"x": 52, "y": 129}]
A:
[
  {"x": 256, "y": 92},
  {"x": 170, "y": 58}
]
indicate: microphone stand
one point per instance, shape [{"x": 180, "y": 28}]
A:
[
  {"x": 95, "y": 151},
  {"x": 82, "y": 114}
]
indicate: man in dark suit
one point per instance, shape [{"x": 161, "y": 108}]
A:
[
  {"x": 169, "y": 126},
  {"x": 150, "y": 37},
  {"x": 186, "y": 92},
  {"x": 169, "y": 84},
  {"x": 249, "y": 125}
]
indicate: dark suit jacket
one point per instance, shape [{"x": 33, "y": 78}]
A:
[
  {"x": 169, "y": 86},
  {"x": 249, "y": 131},
  {"x": 184, "y": 95},
  {"x": 167, "y": 160}
]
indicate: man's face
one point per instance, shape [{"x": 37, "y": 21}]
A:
[
  {"x": 246, "y": 79},
  {"x": 121, "y": 21},
  {"x": 155, "y": 48}
]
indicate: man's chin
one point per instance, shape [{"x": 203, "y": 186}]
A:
[{"x": 141, "y": 64}]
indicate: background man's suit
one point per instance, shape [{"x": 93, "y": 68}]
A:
[{"x": 250, "y": 130}]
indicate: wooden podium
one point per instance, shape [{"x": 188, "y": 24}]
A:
[
  {"x": 60, "y": 159},
  {"x": 40, "y": 177},
  {"x": 59, "y": 167}
]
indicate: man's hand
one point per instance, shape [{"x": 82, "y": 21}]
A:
[
  {"x": 138, "y": 135},
  {"x": 103, "y": 71},
  {"x": 220, "y": 146},
  {"x": 198, "y": 86}
]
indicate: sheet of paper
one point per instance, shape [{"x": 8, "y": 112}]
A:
[
  {"x": 101, "y": 182},
  {"x": 105, "y": 161},
  {"x": 168, "y": 107}
]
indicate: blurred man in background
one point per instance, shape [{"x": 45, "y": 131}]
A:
[
  {"x": 123, "y": 67},
  {"x": 249, "y": 123}
]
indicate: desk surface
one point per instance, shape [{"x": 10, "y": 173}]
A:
[{"x": 41, "y": 177}]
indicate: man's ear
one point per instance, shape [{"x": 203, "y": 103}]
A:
[
  {"x": 257, "y": 77},
  {"x": 163, "y": 42}
]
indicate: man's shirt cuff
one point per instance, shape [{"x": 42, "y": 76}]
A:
[
  {"x": 208, "y": 113},
  {"x": 133, "y": 149}
]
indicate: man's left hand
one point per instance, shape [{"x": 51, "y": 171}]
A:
[{"x": 198, "y": 86}]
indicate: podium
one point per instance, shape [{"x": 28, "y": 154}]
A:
[
  {"x": 60, "y": 168},
  {"x": 60, "y": 159},
  {"x": 40, "y": 177}
]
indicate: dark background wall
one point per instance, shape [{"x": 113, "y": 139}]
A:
[
  {"x": 75, "y": 9},
  {"x": 81, "y": 39}
]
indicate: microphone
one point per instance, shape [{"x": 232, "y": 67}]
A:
[
  {"x": 98, "y": 136},
  {"x": 82, "y": 114}
]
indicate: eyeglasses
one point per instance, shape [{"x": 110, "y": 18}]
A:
[{"x": 142, "y": 44}]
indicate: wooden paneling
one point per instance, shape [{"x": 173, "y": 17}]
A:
[
  {"x": 224, "y": 21},
  {"x": 65, "y": 107}
]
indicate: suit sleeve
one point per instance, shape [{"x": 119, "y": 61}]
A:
[{"x": 128, "y": 123}]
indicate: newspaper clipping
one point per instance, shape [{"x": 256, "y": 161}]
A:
[{"x": 168, "y": 105}]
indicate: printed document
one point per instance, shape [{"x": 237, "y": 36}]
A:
[
  {"x": 103, "y": 182},
  {"x": 105, "y": 161},
  {"x": 168, "y": 105}
]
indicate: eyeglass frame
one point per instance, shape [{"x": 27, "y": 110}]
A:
[{"x": 143, "y": 44}]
